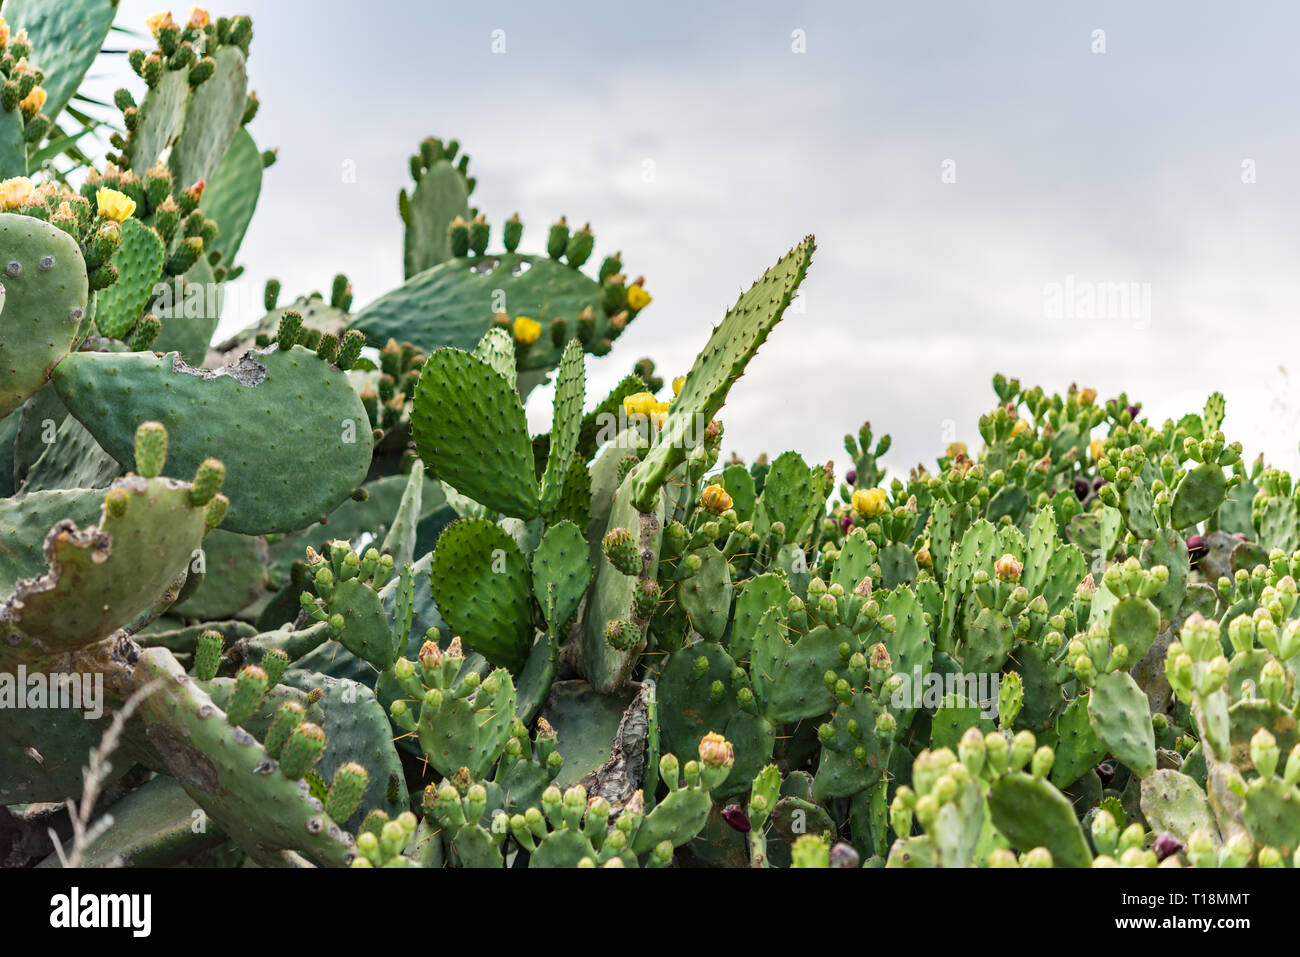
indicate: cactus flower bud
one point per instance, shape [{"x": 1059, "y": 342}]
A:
[
  {"x": 250, "y": 687},
  {"x": 346, "y": 791},
  {"x": 150, "y": 449},
  {"x": 303, "y": 749},
  {"x": 1264, "y": 753},
  {"x": 716, "y": 751},
  {"x": 1007, "y": 568},
  {"x": 715, "y": 499},
  {"x": 207, "y": 655}
]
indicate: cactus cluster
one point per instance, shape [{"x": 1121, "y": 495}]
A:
[{"x": 378, "y": 623}]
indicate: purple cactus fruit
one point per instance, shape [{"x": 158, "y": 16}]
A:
[
  {"x": 1166, "y": 845},
  {"x": 1241, "y": 536},
  {"x": 1106, "y": 772},
  {"x": 846, "y": 523},
  {"x": 851, "y": 476},
  {"x": 735, "y": 816},
  {"x": 1133, "y": 411},
  {"x": 1082, "y": 488},
  {"x": 1098, "y": 482},
  {"x": 1197, "y": 548},
  {"x": 845, "y": 855}
]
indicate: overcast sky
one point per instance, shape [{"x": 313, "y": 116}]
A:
[{"x": 963, "y": 165}]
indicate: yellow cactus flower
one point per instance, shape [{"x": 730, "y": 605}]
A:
[
  {"x": 34, "y": 100},
  {"x": 198, "y": 18},
  {"x": 4, "y": 32},
  {"x": 637, "y": 298},
  {"x": 160, "y": 21},
  {"x": 870, "y": 502},
  {"x": 716, "y": 499},
  {"x": 114, "y": 205},
  {"x": 659, "y": 414},
  {"x": 16, "y": 192},
  {"x": 1087, "y": 397},
  {"x": 527, "y": 330},
  {"x": 1020, "y": 426},
  {"x": 957, "y": 450},
  {"x": 1098, "y": 449},
  {"x": 642, "y": 403},
  {"x": 677, "y": 385}
]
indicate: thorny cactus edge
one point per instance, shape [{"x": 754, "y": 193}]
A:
[{"x": 390, "y": 627}]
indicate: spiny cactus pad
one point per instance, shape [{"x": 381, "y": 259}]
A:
[
  {"x": 45, "y": 298},
  {"x": 298, "y": 435}
]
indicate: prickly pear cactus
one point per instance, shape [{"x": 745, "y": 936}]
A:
[{"x": 348, "y": 610}]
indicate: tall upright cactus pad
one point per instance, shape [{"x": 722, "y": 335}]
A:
[
  {"x": 722, "y": 361},
  {"x": 65, "y": 37},
  {"x": 231, "y": 195},
  {"x": 213, "y": 116},
  {"x": 294, "y": 435},
  {"x": 441, "y": 194},
  {"x": 139, "y": 261},
  {"x": 470, "y": 430},
  {"x": 44, "y": 301}
]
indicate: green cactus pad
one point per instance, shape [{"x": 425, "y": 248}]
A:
[
  {"x": 851, "y": 764},
  {"x": 161, "y": 115},
  {"x": 677, "y": 819},
  {"x": 357, "y": 729},
  {"x": 294, "y": 436},
  {"x": 190, "y": 316},
  {"x": 1272, "y": 815},
  {"x": 560, "y": 562},
  {"x": 570, "y": 393},
  {"x": 231, "y": 195},
  {"x": 213, "y": 115},
  {"x": 156, "y": 825},
  {"x": 1077, "y": 747},
  {"x": 65, "y": 39},
  {"x": 1174, "y": 803},
  {"x": 452, "y": 304},
  {"x": 482, "y": 586},
  {"x": 1121, "y": 717},
  {"x": 74, "y": 460},
  {"x": 45, "y": 298},
  {"x": 606, "y": 667},
  {"x": 13, "y": 145},
  {"x": 469, "y": 730},
  {"x": 706, "y": 596},
  {"x": 1031, "y": 813},
  {"x": 101, "y": 576},
  {"x": 1199, "y": 495},
  {"x": 470, "y": 430},
  {"x": 723, "y": 360},
  {"x": 438, "y": 198},
  {"x": 229, "y": 774},
  {"x": 139, "y": 260}
]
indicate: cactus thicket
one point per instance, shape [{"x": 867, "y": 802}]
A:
[{"x": 381, "y": 623}]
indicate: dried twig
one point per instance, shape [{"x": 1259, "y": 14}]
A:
[{"x": 94, "y": 776}]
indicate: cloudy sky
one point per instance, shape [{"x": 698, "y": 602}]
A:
[{"x": 975, "y": 174}]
